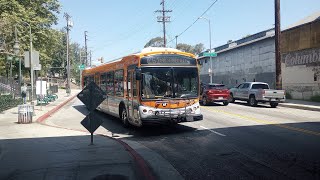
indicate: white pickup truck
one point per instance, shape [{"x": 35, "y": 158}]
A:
[{"x": 257, "y": 92}]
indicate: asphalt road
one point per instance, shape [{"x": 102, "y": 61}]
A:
[{"x": 232, "y": 142}]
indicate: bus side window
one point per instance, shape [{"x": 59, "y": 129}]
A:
[
  {"x": 110, "y": 85},
  {"x": 103, "y": 82},
  {"x": 119, "y": 82}
]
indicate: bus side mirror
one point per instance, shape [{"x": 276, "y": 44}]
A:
[{"x": 138, "y": 74}]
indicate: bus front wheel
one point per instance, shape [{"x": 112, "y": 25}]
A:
[{"x": 124, "y": 117}]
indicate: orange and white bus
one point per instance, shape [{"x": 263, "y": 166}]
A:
[{"x": 154, "y": 86}]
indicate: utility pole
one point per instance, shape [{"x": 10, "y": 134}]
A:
[
  {"x": 90, "y": 58},
  {"x": 86, "y": 47},
  {"x": 176, "y": 41},
  {"x": 164, "y": 19},
  {"x": 80, "y": 70},
  {"x": 277, "y": 44},
  {"x": 69, "y": 24}
]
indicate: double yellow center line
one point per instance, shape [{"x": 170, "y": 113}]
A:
[{"x": 265, "y": 122}]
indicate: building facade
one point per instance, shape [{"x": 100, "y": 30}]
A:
[
  {"x": 249, "y": 59},
  {"x": 300, "y": 48},
  {"x": 253, "y": 59}
]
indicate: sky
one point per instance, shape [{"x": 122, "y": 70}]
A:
[{"x": 117, "y": 28}]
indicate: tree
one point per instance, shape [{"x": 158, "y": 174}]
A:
[
  {"x": 40, "y": 15},
  {"x": 198, "y": 48},
  {"x": 155, "y": 42},
  {"x": 185, "y": 47}
]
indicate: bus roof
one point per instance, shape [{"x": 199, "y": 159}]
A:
[{"x": 144, "y": 52}]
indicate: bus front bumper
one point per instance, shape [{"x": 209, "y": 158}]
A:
[{"x": 172, "y": 120}]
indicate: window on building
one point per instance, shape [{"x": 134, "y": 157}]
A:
[
  {"x": 118, "y": 82},
  {"x": 110, "y": 83},
  {"x": 315, "y": 77},
  {"x": 103, "y": 83}
]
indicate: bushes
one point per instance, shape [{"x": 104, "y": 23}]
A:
[
  {"x": 288, "y": 95},
  {"x": 7, "y": 102},
  {"x": 315, "y": 98}
]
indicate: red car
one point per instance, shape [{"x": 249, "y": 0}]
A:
[{"x": 214, "y": 93}]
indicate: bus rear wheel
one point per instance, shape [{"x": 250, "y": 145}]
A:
[{"x": 124, "y": 117}]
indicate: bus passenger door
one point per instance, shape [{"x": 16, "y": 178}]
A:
[{"x": 129, "y": 94}]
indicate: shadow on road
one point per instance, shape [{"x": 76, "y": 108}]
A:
[
  {"x": 266, "y": 105},
  {"x": 64, "y": 156},
  {"x": 82, "y": 109}
]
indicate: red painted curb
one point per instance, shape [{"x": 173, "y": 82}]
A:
[
  {"x": 143, "y": 166},
  {"x": 54, "y": 110}
]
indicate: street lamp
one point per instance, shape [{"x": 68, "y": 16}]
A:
[
  {"x": 210, "y": 46},
  {"x": 30, "y": 57}
]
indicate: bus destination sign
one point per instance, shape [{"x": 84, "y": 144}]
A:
[{"x": 168, "y": 60}]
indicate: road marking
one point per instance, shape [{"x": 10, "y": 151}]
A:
[
  {"x": 212, "y": 131},
  {"x": 266, "y": 122}
]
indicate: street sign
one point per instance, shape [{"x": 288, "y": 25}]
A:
[
  {"x": 35, "y": 59},
  {"x": 41, "y": 87},
  {"x": 92, "y": 96},
  {"x": 213, "y": 54},
  {"x": 91, "y": 122},
  {"x": 82, "y": 67},
  {"x": 37, "y": 68}
]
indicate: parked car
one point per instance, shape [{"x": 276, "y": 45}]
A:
[
  {"x": 257, "y": 92},
  {"x": 211, "y": 92}
]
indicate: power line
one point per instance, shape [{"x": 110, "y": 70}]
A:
[{"x": 195, "y": 21}]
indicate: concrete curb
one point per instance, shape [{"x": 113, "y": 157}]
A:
[
  {"x": 294, "y": 106},
  {"x": 162, "y": 168},
  {"x": 142, "y": 164}
]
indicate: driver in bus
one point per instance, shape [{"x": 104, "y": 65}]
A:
[{"x": 168, "y": 92}]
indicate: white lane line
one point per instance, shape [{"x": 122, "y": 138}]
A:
[{"x": 212, "y": 131}]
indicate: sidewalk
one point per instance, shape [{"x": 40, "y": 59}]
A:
[
  {"x": 300, "y": 104},
  {"x": 36, "y": 151}
]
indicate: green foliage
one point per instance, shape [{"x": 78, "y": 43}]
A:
[
  {"x": 7, "y": 102},
  {"x": 288, "y": 95},
  {"x": 315, "y": 98},
  {"x": 155, "y": 42},
  {"x": 40, "y": 15},
  {"x": 158, "y": 42},
  {"x": 197, "y": 49}
]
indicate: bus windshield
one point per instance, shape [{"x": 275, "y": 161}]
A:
[{"x": 169, "y": 82}]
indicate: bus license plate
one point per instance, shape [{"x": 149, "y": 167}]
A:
[
  {"x": 189, "y": 118},
  {"x": 220, "y": 98}
]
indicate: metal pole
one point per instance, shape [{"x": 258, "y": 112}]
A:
[
  {"x": 16, "y": 42},
  {"x": 68, "y": 63},
  {"x": 68, "y": 60},
  {"x": 210, "y": 51},
  {"x": 31, "y": 63},
  {"x": 277, "y": 45},
  {"x": 86, "y": 48},
  {"x": 164, "y": 24},
  {"x": 176, "y": 41}
]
